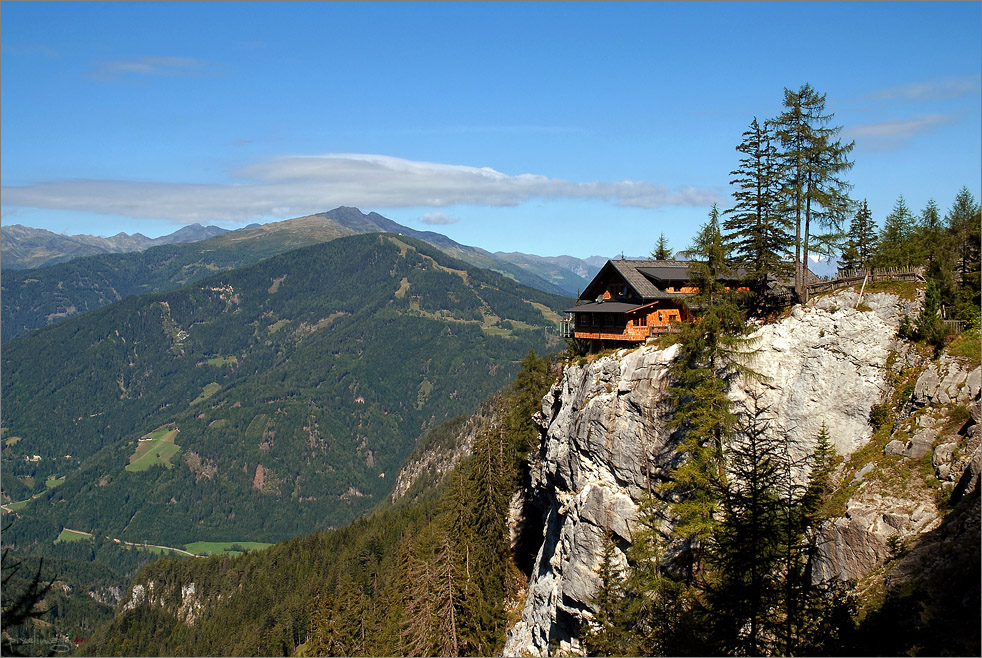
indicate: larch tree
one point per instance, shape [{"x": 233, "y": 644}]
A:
[
  {"x": 758, "y": 233},
  {"x": 713, "y": 351},
  {"x": 814, "y": 163}
]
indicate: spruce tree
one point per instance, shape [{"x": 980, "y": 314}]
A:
[
  {"x": 931, "y": 225},
  {"x": 744, "y": 586},
  {"x": 661, "y": 250},
  {"x": 897, "y": 243},
  {"x": 814, "y": 163},
  {"x": 447, "y": 596},
  {"x": 758, "y": 233},
  {"x": 480, "y": 500},
  {"x": 659, "y": 614},
  {"x": 929, "y": 325},
  {"x": 420, "y": 623},
  {"x": 605, "y": 634},
  {"x": 963, "y": 221},
  {"x": 861, "y": 240}
]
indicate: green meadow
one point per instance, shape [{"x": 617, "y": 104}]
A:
[
  {"x": 72, "y": 535},
  {"x": 232, "y": 547},
  {"x": 19, "y": 505},
  {"x": 159, "y": 449},
  {"x": 207, "y": 391}
]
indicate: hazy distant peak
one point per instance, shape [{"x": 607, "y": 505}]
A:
[{"x": 25, "y": 247}]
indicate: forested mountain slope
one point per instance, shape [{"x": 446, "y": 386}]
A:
[
  {"x": 35, "y": 298},
  {"x": 261, "y": 403},
  {"x": 569, "y": 273},
  {"x": 427, "y": 574}
]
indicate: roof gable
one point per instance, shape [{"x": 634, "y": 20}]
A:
[
  {"x": 648, "y": 279},
  {"x": 645, "y": 278}
]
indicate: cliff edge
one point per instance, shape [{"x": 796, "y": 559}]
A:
[{"x": 605, "y": 446}]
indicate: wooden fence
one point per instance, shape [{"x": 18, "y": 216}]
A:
[
  {"x": 847, "y": 278},
  {"x": 954, "y": 326}
]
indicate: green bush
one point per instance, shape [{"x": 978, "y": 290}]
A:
[
  {"x": 906, "y": 329},
  {"x": 879, "y": 415}
]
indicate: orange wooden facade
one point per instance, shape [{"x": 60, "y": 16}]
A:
[{"x": 635, "y": 326}]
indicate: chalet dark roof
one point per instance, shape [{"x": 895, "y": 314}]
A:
[
  {"x": 604, "y": 307},
  {"x": 629, "y": 270},
  {"x": 665, "y": 270},
  {"x": 648, "y": 279}
]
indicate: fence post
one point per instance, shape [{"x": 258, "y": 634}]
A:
[{"x": 862, "y": 290}]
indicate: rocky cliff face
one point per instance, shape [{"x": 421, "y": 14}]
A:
[{"x": 604, "y": 446}]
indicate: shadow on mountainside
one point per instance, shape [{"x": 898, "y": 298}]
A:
[{"x": 932, "y": 603}]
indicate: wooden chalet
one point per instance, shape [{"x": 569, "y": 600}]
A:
[{"x": 630, "y": 301}]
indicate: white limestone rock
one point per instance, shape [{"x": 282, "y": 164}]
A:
[{"x": 605, "y": 445}]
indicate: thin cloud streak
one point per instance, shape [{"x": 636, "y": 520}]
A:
[
  {"x": 900, "y": 128},
  {"x": 438, "y": 219},
  {"x": 929, "y": 90},
  {"x": 151, "y": 66},
  {"x": 297, "y": 185},
  {"x": 889, "y": 135}
]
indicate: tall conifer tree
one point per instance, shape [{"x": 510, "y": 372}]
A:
[
  {"x": 744, "y": 585},
  {"x": 758, "y": 232},
  {"x": 861, "y": 239},
  {"x": 712, "y": 352},
  {"x": 661, "y": 250},
  {"x": 897, "y": 243},
  {"x": 964, "y": 222},
  {"x": 814, "y": 163},
  {"x": 606, "y": 634}
]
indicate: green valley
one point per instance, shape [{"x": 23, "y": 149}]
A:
[{"x": 261, "y": 403}]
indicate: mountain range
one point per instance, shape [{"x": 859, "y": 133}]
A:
[
  {"x": 24, "y": 247},
  {"x": 37, "y": 297}
]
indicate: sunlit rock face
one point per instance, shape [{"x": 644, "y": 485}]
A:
[{"x": 605, "y": 445}]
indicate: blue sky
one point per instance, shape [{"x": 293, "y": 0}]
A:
[{"x": 552, "y": 128}]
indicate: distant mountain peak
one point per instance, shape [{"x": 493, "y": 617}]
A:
[{"x": 25, "y": 247}]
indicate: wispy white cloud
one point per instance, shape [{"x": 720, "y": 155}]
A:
[
  {"x": 927, "y": 90},
  {"x": 150, "y": 66},
  {"x": 438, "y": 219},
  {"x": 900, "y": 127},
  {"x": 31, "y": 49},
  {"x": 296, "y": 185},
  {"x": 889, "y": 135}
]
